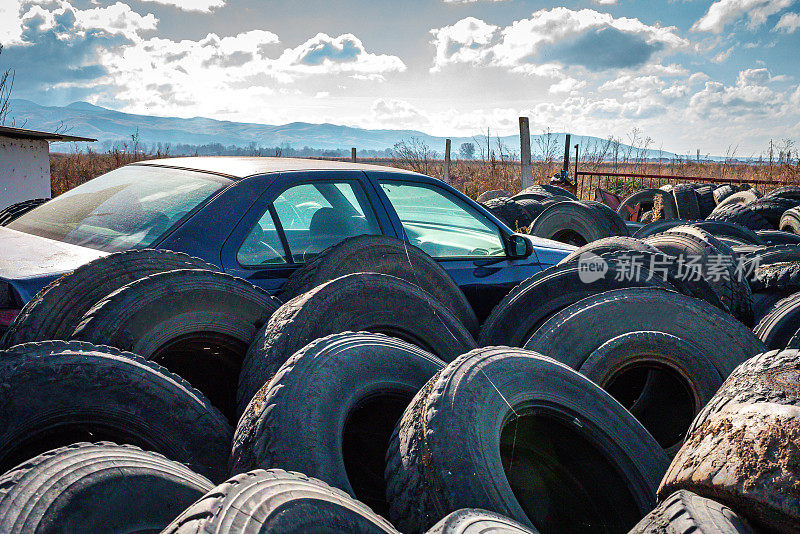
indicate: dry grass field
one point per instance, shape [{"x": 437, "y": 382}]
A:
[{"x": 470, "y": 176}]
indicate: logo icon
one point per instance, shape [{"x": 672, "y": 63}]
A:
[{"x": 591, "y": 267}]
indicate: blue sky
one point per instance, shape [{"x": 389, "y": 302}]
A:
[{"x": 690, "y": 74}]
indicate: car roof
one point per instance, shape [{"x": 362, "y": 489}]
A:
[{"x": 238, "y": 167}]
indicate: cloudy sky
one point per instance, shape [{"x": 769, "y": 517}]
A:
[{"x": 691, "y": 74}]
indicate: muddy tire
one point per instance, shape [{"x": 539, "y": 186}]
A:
[
  {"x": 589, "y": 438},
  {"x": 686, "y": 202},
  {"x": 15, "y": 211},
  {"x": 533, "y": 207},
  {"x": 717, "y": 264},
  {"x": 508, "y": 211},
  {"x": 96, "y": 487},
  {"x": 474, "y": 520},
  {"x": 790, "y": 221},
  {"x": 571, "y": 335},
  {"x": 104, "y": 394},
  {"x": 722, "y": 192},
  {"x": 494, "y": 193},
  {"x": 196, "y": 323},
  {"x": 684, "y": 512},
  {"x": 277, "y": 501},
  {"x": 780, "y": 276},
  {"x": 526, "y": 307},
  {"x": 358, "y": 302},
  {"x": 664, "y": 206},
  {"x": 679, "y": 379},
  {"x": 385, "y": 255},
  {"x": 741, "y": 215},
  {"x": 742, "y": 448},
  {"x": 781, "y": 324},
  {"x": 577, "y": 223},
  {"x": 56, "y": 310},
  {"x": 338, "y": 433}
]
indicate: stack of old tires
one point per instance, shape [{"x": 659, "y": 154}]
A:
[{"x": 148, "y": 392}]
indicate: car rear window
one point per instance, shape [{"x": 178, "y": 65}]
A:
[{"x": 128, "y": 208}]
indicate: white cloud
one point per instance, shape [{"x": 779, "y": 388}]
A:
[
  {"x": 588, "y": 38},
  {"x": 567, "y": 85},
  {"x": 323, "y": 54},
  {"x": 10, "y": 23},
  {"x": 605, "y": 2},
  {"x": 753, "y": 77},
  {"x": 191, "y": 5},
  {"x": 395, "y": 112},
  {"x": 796, "y": 96},
  {"x": 468, "y": 1},
  {"x": 789, "y": 23},
  {"x": 722, "y": 56},
  {"x": 724, "y": 12}
]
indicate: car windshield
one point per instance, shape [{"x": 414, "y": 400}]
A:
[{"x": 127, "y": 208}]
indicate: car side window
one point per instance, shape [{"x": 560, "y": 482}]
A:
[
  {"x": 317, "y": 215},
  {"x": 262, "y": 246},
  {"x": 442, "y": 224}
]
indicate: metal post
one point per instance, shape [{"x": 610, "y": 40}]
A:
[
  {"x": 447, "y": 161},
  {"x": 525, "y": 152},
  {"x": 566, "y": 154},
  {"x": 576, "y": 165},
  {"x": 353, "y": 155}
]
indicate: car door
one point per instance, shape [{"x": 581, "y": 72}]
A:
[
  {"x": 301, "y": 214},
  {"x": 469, "y": 245}
]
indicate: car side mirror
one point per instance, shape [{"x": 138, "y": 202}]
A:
[{"x": 519, "y": 246}]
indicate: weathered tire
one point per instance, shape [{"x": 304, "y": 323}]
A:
[
  {"x": 577, "y": 223},
  {"x": 196, "y": 323},
  {"x": 56, "y": 310},
  {"x": 477, "y": 521},
  {"x": 15, "y": 211},
  {"x": 742, "y": 449},
  {"x": 705, "y": 200},
  {"x": 778, "y": 237},
  {"x": 686, "y": 202},
  {"x": 773, "y": 208},
  {"x": 526, "y": 307},
  {"x": 550, "y": 190},
  {"x": 781, "y": 324},
  {"x": 610, "y": 244},
  {"x": 277, "y": 501},
  {"x": 684, "y": 512},
  {"x": 494, "y": 193},
  {"x": 742, "y": 215},
  {"x": 533, "y": 207},
  {"x": 741, "y": 197},
  {"x": 737, "y": 232},
  {"x": 96, "y": 487},
  {"x": 571, "y": 335},
  {"x": 358, "y": 302},
  {"x": 722, "y": 192},
  {"x": 338, "y": 433},
  {"x": 788, "y": 191},
  {"x": 769, "y": 256},
  {"x": 679, "y": 379},
  {"x": 385, "y": 255},
  {"x": 645, "y": 198},
  {"x": 658, "y": 227},
  {"x": 790, "y": 221},
  {"x": 647, "y": 217},
  {"x": 781, "y": 276},
  {"x": 716, "y": 264},
  {"x": 764, "y": 300},
  {"x": 664, "y": 205},
  {"x": 508, "y": 211},
  {"x": 568, "y": 439},
  {"x": 104, "y": 394}
]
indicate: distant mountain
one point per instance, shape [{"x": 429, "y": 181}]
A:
[{"x": 106, "y": 125}]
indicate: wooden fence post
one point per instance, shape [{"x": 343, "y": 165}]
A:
[
  {"x": 447, "y": 161},
  {"x": 353, "y": 155},
  {"x": 525, "y": 152}
]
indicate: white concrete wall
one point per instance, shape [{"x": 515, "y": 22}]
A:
[{"x": 24, "y": 170}]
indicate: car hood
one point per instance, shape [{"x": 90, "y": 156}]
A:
[{"x": 29, "y": 262}]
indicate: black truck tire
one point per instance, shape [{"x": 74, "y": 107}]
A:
[
  {"x": 742, "y": 215},
  {"x": 98, "y": 488},
  {"x": 571, "y": 335},
  {"x": 680, "y": 380},
  {"x": 764, "y": 300},
  {"x": 610, "y": 244},
  {"x": 358, "y": 302},
  {"x": 736, "y": 232},
  {"x": 104, "y": 394},
  {"x": 477, "y": 521},
  {"x": 790, "y": 221},
  {"x": 338, "y": 433},
  {"x": 494, "y": 193},
  {"x": 722, "y": 192},
  {"x": 533, "y": 207},
  {"x": 780, "y": 276},
  {"x": 781, "y": 324},
  {"x": 741, "y": 197},
  {"x": 577, "y": 223},
  {"x": 644, "y": 198},
  {"x": 787, "y": 191},
  {"x": 686, "y": 202},
  {"x": 196, "y": 323},
  {"x": 779, "y": 237},
  {"x": 385, "y": 255},
  {"x": 550, "y": 190},
  {"x": 658, "y": 227},
  {"x": 15, "y": 211},
  {"x": 742, "y": 448},
  {"x": 56, "y": 310},
  {"x": 508, "y": 211},
  {"x": 562, "y": 457},
  {"x": 277, "y": 501},
  {"x": 773, "y": 208},
  {"x": 684, "y": 512},
  {"x": 705, "y": 200}
]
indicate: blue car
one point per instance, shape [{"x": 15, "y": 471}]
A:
[{"x": 262, "y": 218}]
